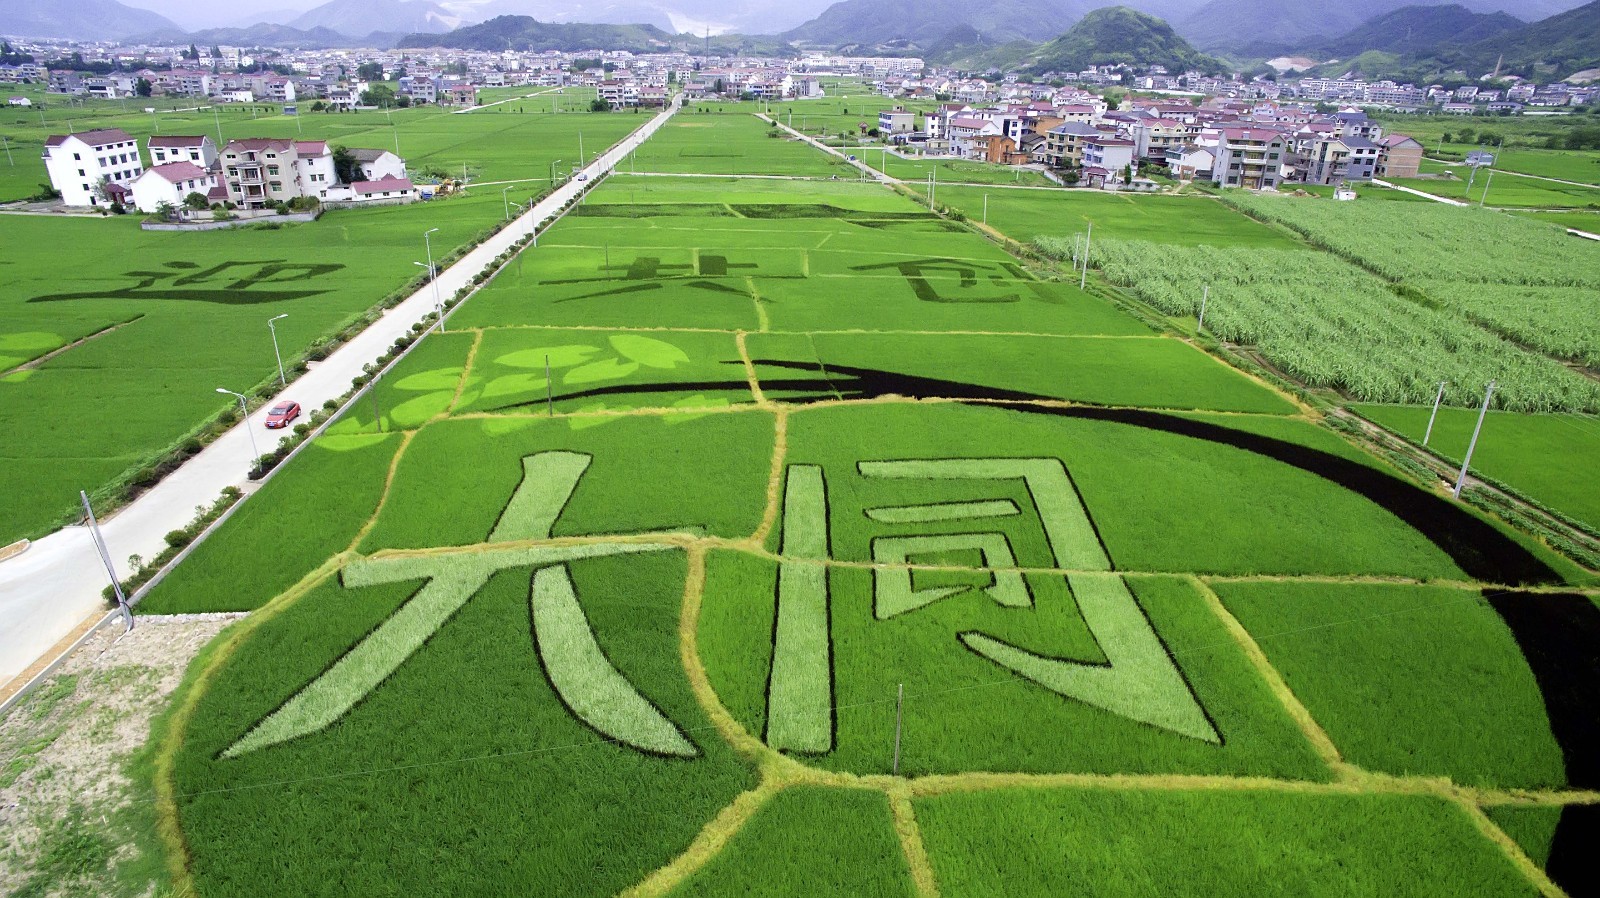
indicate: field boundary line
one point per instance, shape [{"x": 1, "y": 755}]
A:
[
  {"x": 1297, "y": 711},
  {"x": 910, "y": 833},
  {"x": 466, "y": 369},
  {"x": 780, "y": 454},
  {"x": 749, "y": 369},
  {"x": 710, "y": 841},
  {"x": 406, "y": 437}
]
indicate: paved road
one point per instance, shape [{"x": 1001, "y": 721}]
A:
[{"x": 52, "y": 590}]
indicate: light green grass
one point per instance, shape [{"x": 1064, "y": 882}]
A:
[{"x": 1186, "y": 220}]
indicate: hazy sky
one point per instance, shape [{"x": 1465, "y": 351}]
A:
[{"x": 210, "y": 14}]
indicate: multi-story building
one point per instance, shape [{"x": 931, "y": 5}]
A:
[
  {"x": 165, "y": 148},
  {"x": 896, "y": 121},
  {"x": 262, "y": 171},
  {"x": 1399, "y": 156},
  {"x": 1248, "y": 157},
  {"x": 1104, "y": 159},
  {"x": 1340, "y": 160},
  {"x": 78, "y": 163},
  {"x": 1063, "y": 144},
  {"x": 1153, "y": 137}
]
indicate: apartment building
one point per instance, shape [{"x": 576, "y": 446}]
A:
[
  {"x": 1248, "y": 157},
  {"x": 77, "y": 163}
]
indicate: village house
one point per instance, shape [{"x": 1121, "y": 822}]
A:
[
  {"x": 172, "y": 183},
  {"x": 1248, "y": 157},
  {"x": 375, "y": 165},
  {"x": 78, "y": 163},
  {"x": 259, "y": 172},
  {"x": 1399, "y": 156},
  {"x": 166, "y": 148}
]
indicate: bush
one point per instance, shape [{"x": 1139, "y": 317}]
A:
[{"x": 177, "y": 539}]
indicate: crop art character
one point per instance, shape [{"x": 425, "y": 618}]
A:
[
  {"x": 1139, "y": 680},
  {"x": 579, "y": 672}
]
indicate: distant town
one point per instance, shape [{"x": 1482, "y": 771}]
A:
[{"x": 1102, "y": 127}]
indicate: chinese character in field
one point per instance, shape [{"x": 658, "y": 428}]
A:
[
  {"x": 588, "y": 684},
  {"x": 1138, "y": 680}
]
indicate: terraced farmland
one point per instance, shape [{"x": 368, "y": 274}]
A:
[{"x": 770, "y": 537}]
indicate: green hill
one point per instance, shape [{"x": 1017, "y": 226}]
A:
[
  {"x": 924, "y": 23},
  {"x": 1119, "y": 35},
  {"x": 527, "y": 33},
  {"x": 1560, "y": 45},
  {"x": 1421, "y": 29}
]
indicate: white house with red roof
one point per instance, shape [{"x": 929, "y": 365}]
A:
[
  {"x": 387, "y": 189},
  {"x": 164, "y": 148},
  {"x": 172, "y": 183},
  {"x": 77, "y": 163}
]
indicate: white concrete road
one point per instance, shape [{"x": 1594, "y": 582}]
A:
[{"x": 54, "y": 588}]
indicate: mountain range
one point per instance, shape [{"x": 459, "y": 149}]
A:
[
  {"x": 1376, "y": 38},
  {"x": 94, "y": 20}
]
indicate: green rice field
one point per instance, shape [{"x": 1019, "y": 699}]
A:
[{"x": 756, "y": 536}]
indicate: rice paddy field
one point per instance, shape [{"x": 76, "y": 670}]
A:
[
  {"x": 769, "y": 537},
  {"x": 134, "y": 330}
]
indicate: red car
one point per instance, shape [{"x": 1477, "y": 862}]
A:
[{"x": 282, "y": 414}]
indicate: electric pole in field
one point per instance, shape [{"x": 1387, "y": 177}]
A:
[
  {"x": 1438, "y": 398},
  {"x": 1461, "y": 479},
  {"x": 1205, "y": 296},
  {"x": 1088, "y": 235}
]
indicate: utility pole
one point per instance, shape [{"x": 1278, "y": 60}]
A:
[
  {"x": 549, "y": 390},
  {"x": 986, "y": 208},
  {"x": 1205, "y": 295},
  {"x": 105, "y": 558},
  {"x": 1428, "y": 434},
  {"x": 1485, "y": 197},
  {"x": 218, "y": 119},
  {"x": 372, "y": 394},
  {"x": 899, "y": 702},
  {"x": 7, "y": 142},
  {"x": 1083, "y": 279},
  {"x": 272, "y": 325},
  {"x": 1461, "y": 479}
]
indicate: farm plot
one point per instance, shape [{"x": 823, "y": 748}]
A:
[
  {"x": 732, "y": 144},
  {"x": 1549, "y": 458},
  {"x": 1328, "y": 324},
  {"x": 595, "y": 638},
  {"x": 916, "y": 170},
  {"x": 1025, "y": 215},
  {"x": 1208, "y": 843}
]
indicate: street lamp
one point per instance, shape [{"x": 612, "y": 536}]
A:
[
  {"x": 272, "y": 326},
  {"x": 506, "y": 200},
  {"x": 244, "y": 414},
  {"x": 553, "y": 173},
  {"x": 433, "y": 275}
]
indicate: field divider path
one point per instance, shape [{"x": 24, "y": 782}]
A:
[{"x": 56, "y": 586}]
